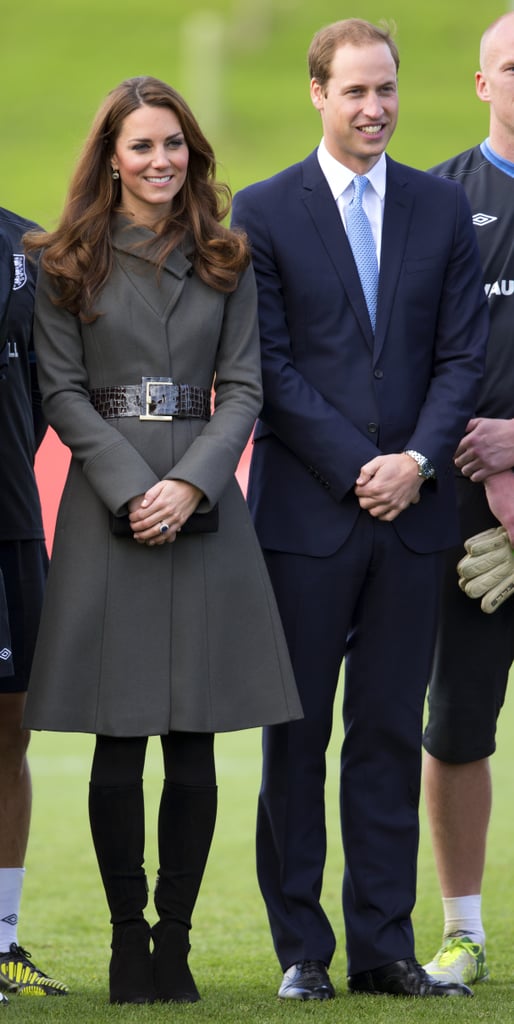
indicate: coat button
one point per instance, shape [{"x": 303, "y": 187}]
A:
[
  {"x": 378, "y": 374},
  {"x": 372, "y": 427}
]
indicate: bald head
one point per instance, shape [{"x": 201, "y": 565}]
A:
[
  {"x": 493, "y": 36},
  {"x": 495, "y": 83}
]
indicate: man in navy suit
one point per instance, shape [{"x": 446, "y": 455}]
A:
[{"x": 352, "y": 494}]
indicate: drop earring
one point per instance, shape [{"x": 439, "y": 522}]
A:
[{"x": 115, "y": 174}]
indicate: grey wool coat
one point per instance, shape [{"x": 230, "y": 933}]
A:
[{"x": 138, "y": 640}]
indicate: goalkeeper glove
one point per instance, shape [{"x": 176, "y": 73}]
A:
[{"x": 487, "y": 570}]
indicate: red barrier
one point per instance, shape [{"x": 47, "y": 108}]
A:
[{"x": 52, "y": 465}]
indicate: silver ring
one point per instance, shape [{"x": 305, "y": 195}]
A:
[{"x": 163, "y": 527}]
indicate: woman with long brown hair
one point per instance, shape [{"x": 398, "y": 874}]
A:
[{"x": 159, "y": 617}]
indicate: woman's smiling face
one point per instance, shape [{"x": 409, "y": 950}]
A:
[{"x": 151, "y": 156}]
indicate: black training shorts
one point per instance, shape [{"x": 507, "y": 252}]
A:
[
  {"x": 24, "y": 566},
  {"x": 473, "y": 655}
]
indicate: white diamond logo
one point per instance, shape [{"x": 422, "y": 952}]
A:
[{"x": 479, "y": 219}]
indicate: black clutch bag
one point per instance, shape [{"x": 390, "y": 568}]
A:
[{"x": 198, "y": 522}]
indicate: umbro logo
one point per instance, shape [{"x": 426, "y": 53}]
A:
[
  {"x": 12, "y": 919},
  {"x": 5, "y": 654},
  {"x": 479, "y": 219}
]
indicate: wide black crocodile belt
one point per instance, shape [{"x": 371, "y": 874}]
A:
[{"x": 156, "y": 398}]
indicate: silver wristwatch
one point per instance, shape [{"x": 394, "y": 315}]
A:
[{"x": 425, "y": 467}]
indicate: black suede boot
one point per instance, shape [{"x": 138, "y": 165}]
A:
[
  {"x": 187, "y": 815},
  {"x": 116, "y": 814},
  {"x": 130, "y": 969},
  {"x": 173, "y": 980}
]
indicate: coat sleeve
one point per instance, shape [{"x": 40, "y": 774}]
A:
[
  {"x": 113, "y": 467},
  {"x": 212, "y": 458},
  {"x": 325, "y": 440}
]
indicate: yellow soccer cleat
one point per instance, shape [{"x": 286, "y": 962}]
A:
[{"x": 19, "y": 974}]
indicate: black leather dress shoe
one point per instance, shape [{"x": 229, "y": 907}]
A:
[
  {"x": 306, "y": 980},
  {"x": 404, "y": 978}
]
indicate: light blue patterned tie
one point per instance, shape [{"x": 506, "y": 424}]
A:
[{"x": 364, "y": 251}]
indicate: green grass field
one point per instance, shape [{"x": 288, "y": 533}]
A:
[
  {"x": 64, "y": 920},
  {"x": 249, "y": 90},
  {"x": 58, "y": 59}
]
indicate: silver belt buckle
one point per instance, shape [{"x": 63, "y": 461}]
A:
[{"x": 147, "y": 400}]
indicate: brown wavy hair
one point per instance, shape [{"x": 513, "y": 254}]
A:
[{"x": 78, "y": 255}]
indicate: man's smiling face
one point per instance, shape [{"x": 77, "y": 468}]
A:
[{"x": 358, "y": 105}]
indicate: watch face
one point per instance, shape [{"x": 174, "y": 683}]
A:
[{"x": 425, "y": 468}]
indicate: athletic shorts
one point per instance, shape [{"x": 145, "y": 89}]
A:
[
  {"x": 24, "y": 566},
  {"x": 474, "y": 652},
  {"x": 6, "y": 663}
]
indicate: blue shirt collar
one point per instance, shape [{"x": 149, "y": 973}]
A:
[{"x": 503, "y": 165}]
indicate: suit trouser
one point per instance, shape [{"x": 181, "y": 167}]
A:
[{"x": 374, "y": 603}]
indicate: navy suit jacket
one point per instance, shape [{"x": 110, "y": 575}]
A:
[{"x": 334, "y": 395}]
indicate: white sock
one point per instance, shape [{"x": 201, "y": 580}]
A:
[
  {"x": 463, "y": 914},
  {"x": 11, "y": 883}
]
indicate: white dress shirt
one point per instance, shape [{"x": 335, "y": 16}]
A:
[{"x": 340, "y": 183}]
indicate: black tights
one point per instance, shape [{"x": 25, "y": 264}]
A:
[
  {"x": 186, "y": 819},
  {"x": 188, "y": 759}
]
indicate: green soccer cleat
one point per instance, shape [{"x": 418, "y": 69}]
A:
[
  {"x": 459, "y": 959},
  {"x": 19, "y": 974}
]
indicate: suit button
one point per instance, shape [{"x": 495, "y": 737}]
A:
[
  {"x": 372, "y": 427},
  {"x": 378, "y": 374}
]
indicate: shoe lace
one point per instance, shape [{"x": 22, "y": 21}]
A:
[
  {"x": 416, "y": 968},
  {"x": 312, "y": 967},
  {"x": 454, "y": 947},
  {"x": 23, "y": 955}
]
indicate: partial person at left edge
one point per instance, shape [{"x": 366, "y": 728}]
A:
[
  {"x": 23, "y": 565},
  {"x": 6, "y": 662},
  {"x": 6, "y": 669}
]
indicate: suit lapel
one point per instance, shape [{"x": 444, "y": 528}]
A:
[
  {"x": 327, "y": 222},
  {"x": 397, "y": 216}
]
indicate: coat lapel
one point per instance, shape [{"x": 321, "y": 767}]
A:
[
  {"x": 397, "y": 216},
  {"x": 160, "y": 290},
  {"x": 327, "y": 222}
]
